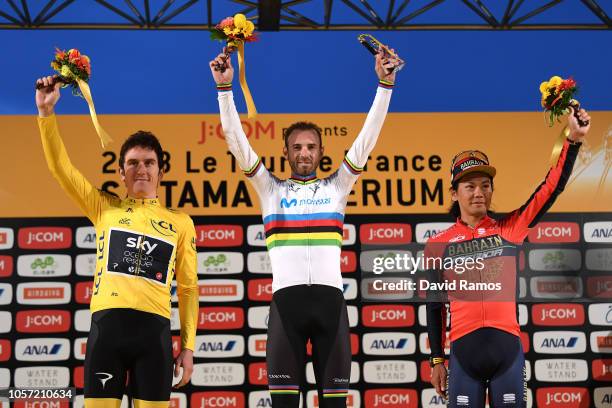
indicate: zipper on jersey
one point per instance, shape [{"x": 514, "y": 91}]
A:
[{"x": 308, "y": 246}]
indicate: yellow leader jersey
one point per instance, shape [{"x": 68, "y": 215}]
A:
[{"x": 141, "y": 245}]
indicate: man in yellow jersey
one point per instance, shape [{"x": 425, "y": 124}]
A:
[{"x": 140, "y": 247}]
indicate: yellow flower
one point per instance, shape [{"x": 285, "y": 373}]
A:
[
  {"x": 55, "y": 65},
  {"x": 240, "y": 20},
  {"x": 227, "y": 30},
  {"x": 66, "y": 72},
  {"x": 248, "y": 30},
  {"x": 555, "y": 81},
  {"x": 544, "y": 87}
]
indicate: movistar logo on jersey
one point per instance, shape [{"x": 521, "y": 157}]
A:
[{"x": 284, "y": 203}]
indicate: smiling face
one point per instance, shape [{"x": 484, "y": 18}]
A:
[
  {"x": 303, "y": 152},
  {"x": 474, "y": 192},
  {"x": 141, "y": 173}
]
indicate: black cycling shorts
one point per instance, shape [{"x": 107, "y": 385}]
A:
[{"x": 123, "y": 341}]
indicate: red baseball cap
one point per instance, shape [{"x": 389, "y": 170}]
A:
[{"x": 470, "y": 161}]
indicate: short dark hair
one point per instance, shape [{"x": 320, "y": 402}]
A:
[
  {"x": 144, "y": 139},
  {"x": 302, "y": 126}
]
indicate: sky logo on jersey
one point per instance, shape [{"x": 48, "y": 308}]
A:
[
  {"x": 559, "y": 342},
  {"x": 7, "y": 238},
  {"x": 599, "y": 287},
  {"x": 85, "y": 237},
  {"x": 44, "y": 265},
  {"x": 82, "y": 292},
  {"x": 602, "y": 369},
  {"x": 219, "y": 346},
  {"x": 561, "y": 370},
  {"x": 217, "y": 399},
  {"x": 385, "y": 233},
  {"x": 6, "y": 293},
  {"x": 260, "y": 290},
  {"x": 42, "y": 321},
  {"x": 557, "y": 314},
  {"x": 389, "y": 343},
  {"x": 79, "y": 348},
  {"x": 348, "y": 261},
  {"x": 259, "y": 262},
  {"x": 220, "y": 318},
  {"x": 600, "y": 314},
  {"x": 6, "y": 266},
  {"x": 598, "y": 232},
  {"x": 426, "y": 230},
  {"x": 562, "y": 397},
  {"x": 601, "y": 342},
  {"x": 256, "y": 236},
  {"x": 257, "y": 345},
  {"x": 5, "y": 350},
  {"x": 220, "y": 263},
  {"x": 545, "y": 232},
  {"x": 258, "y": 317},
  {"x": 258, "y": 374},
  {"x": 42, "y": 349},
  {"x": 387, "y": 316},
  {"x": 349, "y": 234},
  {"x": 599, "y": 259},
  {"x": 556, "y": 287},
  {"x": 44, "y": 238},
  {"x": 41, "y": 377},
  {"x": 391, "y": 398},
  {"x": 602, "y": 397},
  {"x": 47, "y": 293},
  {"x": 221, "y": 290},
  {"x": 218, "y": 235},
  {"x": 217, "y": 374},
  {"x": 389, "y": 372},
  {"x": 85, "y": 264},
  {"x": 555, "y": 260}
]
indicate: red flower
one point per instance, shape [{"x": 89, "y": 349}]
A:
[
  {"x": 59, "y": 54},
  {"x": 567, "y": 84},
  {"x": 73, "y": 55}
]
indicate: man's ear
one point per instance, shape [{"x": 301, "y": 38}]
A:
[
  {"x": 122, "y": 174},
  {"x": 454, "y": 196},
  {"x": 322, "y": 151},
  {"x": 286, "y": 152}
]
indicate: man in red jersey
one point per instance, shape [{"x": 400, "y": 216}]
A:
[{"x": 485, "y": 348}]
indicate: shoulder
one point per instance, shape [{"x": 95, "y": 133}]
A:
[{"x": 445, "y": 235}]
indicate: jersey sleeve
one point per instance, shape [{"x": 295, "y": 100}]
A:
[
  {"x": 516, "y": 225},
  {"x": 240, "y": 147},
  {"x": 87, "y": 197},
  {"x": 436, "y": 303},
  {"x": 357, "y": 156},
  {"x": 187, "y": 283}
]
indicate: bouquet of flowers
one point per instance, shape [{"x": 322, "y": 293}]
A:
[
  {"x": 235, "y": 31},
  {"x": 74, "y": 70},
  {"x": 558, "y": 96}
]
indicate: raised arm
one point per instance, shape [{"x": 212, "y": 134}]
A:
[
  {"x": 235, "y": 137},
  {"x": 357, "y": 156},
  {"x": 88, "y": 198},
  {"x": 518, "y": 222}
]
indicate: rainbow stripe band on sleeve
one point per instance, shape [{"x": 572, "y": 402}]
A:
[
  {"x": 351, "y": 167},
  {"x": 386, "y": 84},
  {"x": 224, "y": 87},
  {"x": 284, "y": 389},
  {"x": 253, "y": 170},
  {"x": 335, "y": 393}
]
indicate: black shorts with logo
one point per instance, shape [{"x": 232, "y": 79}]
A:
[{"x": 126, "y": 342}]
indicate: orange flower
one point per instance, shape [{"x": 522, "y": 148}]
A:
[
  {"x": 60, "y": 54},
  {"x": 73, "y": 55}
]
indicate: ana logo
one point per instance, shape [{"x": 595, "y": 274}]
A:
[
  {"x": 259, "y": 262},
  {"x": 258, "y": 374},
  {"x": 42, "y": 321},
  {"x": 389, "y": 343},
  {"x": 218, "y": 374},
  {"x": 348, "y": 261},
  {"x": 559, "y": 342},
  {"x": 598, "y": 232},
  {"x": 555, "y": 260},
  {"x": 560, "y": 397},
  {"x": 220, "y": 318},
  {"x": 218, "y": 399},
  {"x": 44, "y": 265},
  {"x": 42, "y": 349},
  {"x": 387, "y": 316},
  {"x": 219, "y": 235},
  {"x": 49, "y": 293},
  {"x": 256, "y": 235},
  {"x": 163, "y": 227},
  {"x": 431, "y": 399},
  {"x": 257, "y": 345},
  {"x": 103, "y": 377},
  {"x": 86, "y": 237},
  {"x": 258, "y": 317},
  {"x": 545, "y": 232},
  {"x": 603, "y": 397},
  {"x": 7, "y": 238},
  {"x": 6, "y": 266},
  {"x": 220, "y": 263},
  {"x": 45, "y": 238},
  {"x": 260, "y": 399},
  {"x": 561, "y": 370},
  {"x": 221, "y": 290},
  {"x": 389, "y": 372},
  {"x": 600, "y": 314},
  {"x": 391, "y": 398},
  {"x": 218, "y": 346},
  {"x": 558, "y": 314},
  {"x": 385, "y": 233},
  {"x": 426, "y": 230},
  {"x": 260, "y": 290},
  {"x": 284, "y": 203}
]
